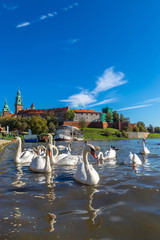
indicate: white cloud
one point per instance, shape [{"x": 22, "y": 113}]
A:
[
  {"x": 50, "y": 14},
  {"x": 9, "y": 7},
  {"x": 108, "y": 80},
  {"x": 43, "y": 17},
  {"x": 138, "y": 106},
  {"x": 85, "y": 98},
  {"x": 23, "y": 24},
  {"x": 71, "y": 41},
  {"x": 103, "y": 102},
  {"x": 80, "y": 100},
  {"x": 152, "y": 100}
]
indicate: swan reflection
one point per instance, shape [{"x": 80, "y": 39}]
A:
[
  {"x": 18, "y": 183},
  {"x": 92, "y": 212}
]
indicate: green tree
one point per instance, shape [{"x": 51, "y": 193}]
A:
[
  {"x": 52, "y": 122},
  {"x": 82, "y": 123},
  {"x": 108, "y": 117},
  {"x": 136, "y": 129},
  {"x": 51, "y": 127},
  {"x": 150, "y": 128},
  {"x": 122, "y": 118},
  {"x": 126, "y": 119},
  {"x": 38, "y": 125},
  {"x": 70, "y": 115},
  {"x": 157, "y": 129},
  {"x": 141, "y": 126},
  {"x": 115, "y": 116}
]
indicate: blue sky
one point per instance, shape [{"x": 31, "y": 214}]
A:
[{"x": 83, "y": 54}]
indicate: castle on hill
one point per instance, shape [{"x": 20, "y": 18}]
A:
[{"x": 92, "y": 118}]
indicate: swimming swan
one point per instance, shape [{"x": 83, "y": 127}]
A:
[
  {"x": 133, "y": 159},
  {"x": 85, "y": 173},
  {"x": 39, "y": 164},
  {"x": 110, "y": 154},
  {"x": 25, "y": 156},
  {"x": 145, "y": 150},
  {"x": 64, "y": 159}
]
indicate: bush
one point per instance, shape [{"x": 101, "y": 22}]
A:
[
  {"x": 127, "y": 129},
  {"x": 124, "y": 134},
  {"x": 107, "y": 133},
  {"x": 136, "y": 129},
  {"x": 118, "y": 134}
]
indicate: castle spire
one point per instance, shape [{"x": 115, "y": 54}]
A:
[
  {"x": 18, "y": 103},
  {"x": 5, "y": 111}
]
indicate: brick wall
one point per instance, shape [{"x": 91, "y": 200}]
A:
[{"x": 88, "y": 124}]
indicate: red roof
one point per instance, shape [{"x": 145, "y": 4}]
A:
[
  {"x": 42, "y": 111},
  {"x": 84, "y": 111}
]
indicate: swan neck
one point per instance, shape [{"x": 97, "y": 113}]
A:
[
  {"x": 85, "y": 157},
  {"x": 47, "y": 165},
  {"x": 53, "y": 157},
  {"x": 19, "y": 151}
]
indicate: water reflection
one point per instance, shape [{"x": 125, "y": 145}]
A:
[
  {"x": 126, "y": 199},
  {"x": 17, "y": 182},
  {"x": 92, "y": 212}
]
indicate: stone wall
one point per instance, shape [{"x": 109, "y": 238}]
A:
[{"x": 137, "y": 134}]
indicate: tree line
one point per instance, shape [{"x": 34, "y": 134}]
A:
[{"x": 37, "y": 124}]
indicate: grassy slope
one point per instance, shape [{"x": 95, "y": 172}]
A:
[
  {"x": 154, "y": 135},
  {"x": 99, "y": 134}
]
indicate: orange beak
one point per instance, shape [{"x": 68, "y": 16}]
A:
[{"x": 50, "y": 153}]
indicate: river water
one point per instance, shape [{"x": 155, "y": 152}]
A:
[{"x": 124, "y": 205}]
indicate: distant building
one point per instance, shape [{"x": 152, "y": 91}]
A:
[
  {"x": 104, "y": 112},
  {"x": 91, "y": 117},
  {"x": 18, "y": 103},
  {"x": 87, "y": 115},
  {"x": 6, "y": 111},
  {"x": 32, "y": 106}
]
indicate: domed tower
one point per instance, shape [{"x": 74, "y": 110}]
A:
[
  {"x": 18, "y": 103},
  {"x": 5, "y": 111}
]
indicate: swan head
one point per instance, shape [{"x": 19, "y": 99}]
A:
[
  {"x": 17, "y": 138},
  {"x": 144, "y": 140},
  {"x": 50, "y": 137},
  {"x": 90, "y": 149}
]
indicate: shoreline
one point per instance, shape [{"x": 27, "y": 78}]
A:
[{"x": 4, "y": 143}]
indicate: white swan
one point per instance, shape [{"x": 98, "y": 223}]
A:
[
  {"x": 39, "y": 164},
  {"x": 110, "y": 154},
  {"x": 63, "y": 159},
  {"x": 145, "y": 150},
  {"x": 133, "y": 159},
  {"x": 64, "y": 148},
  {"x": 85, "y": 173},
  {"x": 25, "y": 156}
]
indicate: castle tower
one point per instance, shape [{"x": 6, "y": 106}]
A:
[
  {"x": 18, "y": 103},
  {"x": 32, "y": 107},
  {"x": 5, "y": 111}
]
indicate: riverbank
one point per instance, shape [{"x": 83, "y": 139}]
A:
[
  {"x": 4, "y": 143},
  {"x": 111, "y": 133}
]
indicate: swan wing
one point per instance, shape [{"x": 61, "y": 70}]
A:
[
  {"x": 80, "y": 175},
  {"x": 38, "y": 163}
]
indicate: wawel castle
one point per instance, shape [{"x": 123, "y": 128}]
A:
[{"x": 91, "y": 117}]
